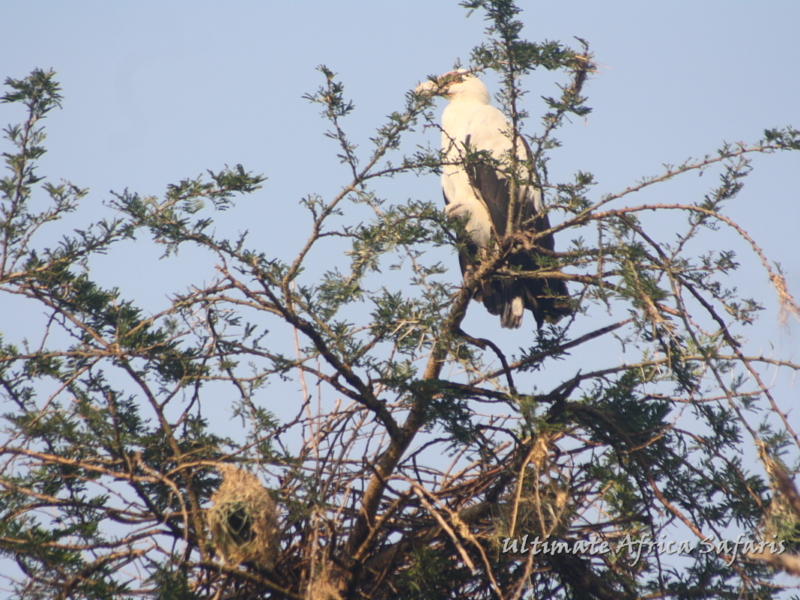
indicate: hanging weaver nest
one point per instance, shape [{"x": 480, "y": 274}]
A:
[
  {"x": 324, "y": 586},
  {"x": 540, "y": 503},
  {"x": 323, "y": 589},
  {"x": 781, "y": 520},
  {"x": 243, "y": 519}
]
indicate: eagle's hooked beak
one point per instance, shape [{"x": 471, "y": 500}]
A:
[
  {"x": 429, "y": 88},
  {"x": 440, "y": 85}
]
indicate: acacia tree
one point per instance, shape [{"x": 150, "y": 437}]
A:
[{"x": 419, "y": 455}]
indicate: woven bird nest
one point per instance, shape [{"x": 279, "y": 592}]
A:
[
  {"x": 243, "y": 519},
  {"x": 325, "y": 585}
]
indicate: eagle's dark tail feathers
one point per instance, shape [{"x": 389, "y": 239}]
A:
[
  {"x": 547, "y": 299},
  {"x": 509, "y": 296}
]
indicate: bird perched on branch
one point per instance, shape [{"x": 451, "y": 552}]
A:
[{"x": 500, "y": 200}]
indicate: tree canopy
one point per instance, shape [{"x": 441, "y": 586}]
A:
[{"x": 400, "y": 456}]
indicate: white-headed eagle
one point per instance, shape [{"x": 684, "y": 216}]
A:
[{"x": 477, "y": 140}]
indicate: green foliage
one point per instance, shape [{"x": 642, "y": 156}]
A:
[
  {"x": 410, "y": 448},
  {"x": 430, "y": 576}
]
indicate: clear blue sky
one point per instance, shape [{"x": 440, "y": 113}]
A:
[{"x": 158, "y": 91}]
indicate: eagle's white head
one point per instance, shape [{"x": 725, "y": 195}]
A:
[{"x": 456, "y": 86}]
